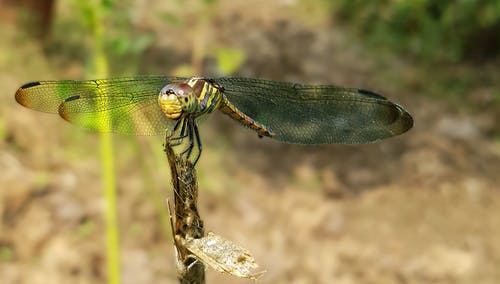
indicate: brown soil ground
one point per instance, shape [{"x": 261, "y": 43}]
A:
[{"x": 420, "y": 208}]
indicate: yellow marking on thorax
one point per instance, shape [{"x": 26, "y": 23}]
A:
[
  {"x": 215, "y": 99},
  {"x": 209, "y": 96}
]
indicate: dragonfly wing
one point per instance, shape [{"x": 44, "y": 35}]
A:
[
  {"x": 308, "y": 114},
  {"x": 122, "y": 105}
]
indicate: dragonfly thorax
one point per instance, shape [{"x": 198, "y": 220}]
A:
[{"x": 176, "y": 100}]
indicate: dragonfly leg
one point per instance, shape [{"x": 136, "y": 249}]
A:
[
  {"x": 194, "y": 141},
  {"x": 176, "y": 126},
  {"x": 170, "y": 133},
  {"x": 193, "y": 151},
  {"x": 175, "y": 140},
  {"x": 188, "y": 130},
  {"x": 187, "y": 151},
  {"x": 184, "y": 133},
  {"x": 198, "y": 143}
]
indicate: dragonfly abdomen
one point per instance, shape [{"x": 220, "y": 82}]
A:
[{"x": 228, "y": 108}]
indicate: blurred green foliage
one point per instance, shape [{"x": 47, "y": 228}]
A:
[
  {"x": 86, "y": 229},
  {"x": 229, "y": 60},
  {"x": 171, "y": 19},
  {"x": 429, "y": 30},
  {"x": 197, "y": 18},
  {"x": 3, "y": 128},
  {"x": 6, "y": 254},
  {"x": 72, "y": 35},
  {"x": 126, "y": 45}
]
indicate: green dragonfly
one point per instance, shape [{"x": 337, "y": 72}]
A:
[{"x": 152, "y": 105}]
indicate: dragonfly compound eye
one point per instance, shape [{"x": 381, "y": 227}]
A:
[{"x": 186, "y": 97}]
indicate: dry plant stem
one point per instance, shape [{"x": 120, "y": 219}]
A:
[{"x": 188, "y": 223}]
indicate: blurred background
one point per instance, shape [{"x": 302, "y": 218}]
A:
[{"x": 419, "y": 208}]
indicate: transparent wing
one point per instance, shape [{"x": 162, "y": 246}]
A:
[
  {"x": 309, "y": 114},
  {"x": 124, "y": 105}
]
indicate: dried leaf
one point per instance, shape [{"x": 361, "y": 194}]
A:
[{"x": 223, "y": 256}]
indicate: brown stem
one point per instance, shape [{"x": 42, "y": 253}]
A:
[{"x": 188, "y": 223}]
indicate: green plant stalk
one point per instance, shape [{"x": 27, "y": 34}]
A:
[
  {"x": 112, "y": 230},
  {"x": 107, "y": 161}
]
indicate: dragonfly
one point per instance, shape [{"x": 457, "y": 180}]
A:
[{"x": 154, "y": 105}]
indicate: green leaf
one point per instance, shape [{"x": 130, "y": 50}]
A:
[{"x": 230, "y": 60}]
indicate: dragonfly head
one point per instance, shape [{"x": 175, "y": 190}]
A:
[{"x": 176, "y": 99}]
